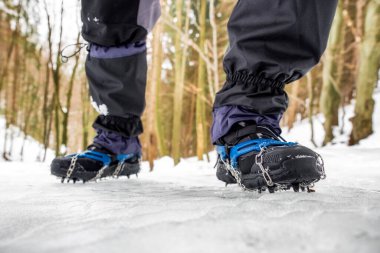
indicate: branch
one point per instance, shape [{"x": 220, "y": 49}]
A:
[{"x": 187, "y": 41}]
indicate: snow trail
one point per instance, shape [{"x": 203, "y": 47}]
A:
[{"x": 185, "y": 209}]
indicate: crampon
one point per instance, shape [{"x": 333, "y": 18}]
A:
[
  {"x": 93, "y": 165},
  {"x": 259, "y": 160}
]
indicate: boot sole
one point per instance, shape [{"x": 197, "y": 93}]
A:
[
  {"x": 296, "y": 173},
  {"x": 79, "y": 174}
]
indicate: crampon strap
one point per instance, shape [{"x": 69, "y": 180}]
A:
[
  {"x": 233, "y": 153},
  {"x": 104, "y": 158}
]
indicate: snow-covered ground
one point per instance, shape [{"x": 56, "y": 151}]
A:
[{"x": 185, "y": 209}]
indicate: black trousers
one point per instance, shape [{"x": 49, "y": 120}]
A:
[{"x": 272, "y": 43}]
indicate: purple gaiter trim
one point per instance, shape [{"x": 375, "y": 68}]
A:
[
  {"x": 226, "y": 116},
  {"x": 116, "y": 143},
  {"x": 101, "y": 52}
]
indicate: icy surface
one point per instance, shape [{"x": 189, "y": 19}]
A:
[{"x": 185, "y": 209}]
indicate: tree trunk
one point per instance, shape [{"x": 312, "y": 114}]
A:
[
  {"x": 368, "y": 75},
  {"x": 151, "y": 130},
  {"x": 292, "y": 110},
  {"x": 56, "y": 72},
  {"x": 86, "y": 112},
  {"x": 310, "y": 106},
  {"x": 200, "y": 104},
  {"x": 66, "y": 113},
  {"x": 330, "y": 97},
  {"x": 180, "y": 71}
]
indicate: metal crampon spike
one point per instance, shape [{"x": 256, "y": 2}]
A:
[
  {"x": 62, "y": 180},
  {"x": 271, "y": 189},
  {"x": 296, "y": 187},
  {"x": 119, "y": 168},
  {"x": 137, "y": 175},
  {"x": 226, "y": 185},
  {"x": 310, "y": 190},
  {"x": 74, "y": 180},
  {"x": 302, "y": 188},
  {"x": 128, "y": 176}
]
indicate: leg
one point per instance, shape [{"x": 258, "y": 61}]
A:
[
  {"x": 116, "y": 69},
  {"x": 116, "y": 66},
  {"x": 272, "y": 43}
]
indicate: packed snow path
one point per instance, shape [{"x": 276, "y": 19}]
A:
[{"x": 185, "y": 209}]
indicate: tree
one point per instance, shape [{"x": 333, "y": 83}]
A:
[
  {"x": 152, "y": 131},
  {"x": 367, "y": 75},
  {"x": 180, "y": 71},
  {"x": 201, "y": 87},
  {"x": 330, "y": 97}
]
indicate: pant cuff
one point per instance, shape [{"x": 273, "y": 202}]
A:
[
  {"x": 130, "y": 126},
  {"x": 227, "y": 116},
  {"x": 116, "y": 143},
  {"x": 246, "y": 79}
]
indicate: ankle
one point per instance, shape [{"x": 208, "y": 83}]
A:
[{"x": 117, "y": 144}]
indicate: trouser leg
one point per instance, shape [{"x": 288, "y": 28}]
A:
[
  {"x": 118, "y": 22},
  {"x": 272, "y": 43},
  {"x": 116, "y": 65}
]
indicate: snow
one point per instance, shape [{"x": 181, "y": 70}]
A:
[
  {"x": 302, "y": 131},
  {"x": 188, "y": 210},
  {"x": 185, "y": 209},
  {"x": 33, "y": 151}
]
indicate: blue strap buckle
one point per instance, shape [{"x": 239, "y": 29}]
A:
[
  {"x": 246, "y": 147},
  {"x": 104, "y": 158}
]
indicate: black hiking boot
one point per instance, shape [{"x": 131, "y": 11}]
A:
[
  {"x": 260, "y": 160},
  {"x": 93, "y": 164}
]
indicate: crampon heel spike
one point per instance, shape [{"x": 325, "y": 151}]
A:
[{"x": 296, "y": 187}]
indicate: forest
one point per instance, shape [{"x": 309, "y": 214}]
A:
[{"x": 46, "y": 95}]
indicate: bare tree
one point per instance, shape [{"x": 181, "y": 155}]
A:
[{"x": 367, "y": 75}]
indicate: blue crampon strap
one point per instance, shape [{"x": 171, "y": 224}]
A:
[
  {"x": 104, "y": 158},
  {"x": 246, "y": 147},
  {"x": 122, "y": 158}
]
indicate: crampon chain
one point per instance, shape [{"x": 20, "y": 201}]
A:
[
  {"x": 99, "y": 174},
  {"x": 271, "y": 186}
]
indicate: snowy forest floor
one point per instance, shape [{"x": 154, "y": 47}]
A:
[
  {"x": 185, "y": 209},
  {"x": 188, "y": 210}
]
